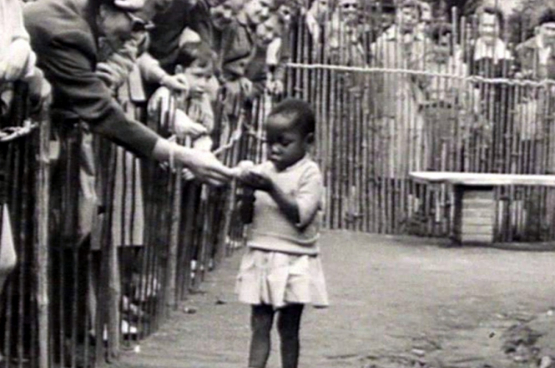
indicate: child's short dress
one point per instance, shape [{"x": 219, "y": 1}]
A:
[{"x": 282, "y": 263}]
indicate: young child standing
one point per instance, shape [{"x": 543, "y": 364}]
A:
[{"x": 281, "y": 269}]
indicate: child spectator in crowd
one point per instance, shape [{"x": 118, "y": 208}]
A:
[
  {"x": 281, "y": 270},
  {"x": 489, "y": 56},
  {"x": 447, "y": 99},
  {"x": 193, "y": 113}
]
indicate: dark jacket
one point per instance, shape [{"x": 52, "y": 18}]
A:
[{"x": 64, "y": 36}]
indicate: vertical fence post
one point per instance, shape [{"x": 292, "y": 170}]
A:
[
  {"x": 42, "y": 261},
  {"x": 171, "y": 295}
]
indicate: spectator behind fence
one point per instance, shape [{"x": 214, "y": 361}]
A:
[
  {"x": 257, "y": 70},
  {"x": 194, "y": 105},
  {"x": 449, "y": 100},
  {"x": 173, "y": 27},
  {"x": 398, "y": 97},
  {"x": 489, "y": 56},
  {"x": 344, "y": 35},
  {"x": 64, "y": 34},
  {"x": 426, "y": 18},
  {"x": 17, "y": 63},
  {"x": 535, "y": 59},
  {"x": 238, "y": 50},
  {"x": 315, "y": 20},
  {"x": 279, "y": 49},
  {"x": 281, "y": 270}
]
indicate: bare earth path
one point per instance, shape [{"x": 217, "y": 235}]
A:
[{"x": 397, "y": 302}]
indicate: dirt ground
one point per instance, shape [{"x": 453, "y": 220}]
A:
[{"x": 396, "y": 302}]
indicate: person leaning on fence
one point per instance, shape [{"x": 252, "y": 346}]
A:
[
  {"x": 281, "y": 270},
  {"x": 17, "y": 63},
  {"x": 257, "y": 70},
  {"x": 279, "y": 49},
  {"x": 238, "y": 51},
  {"x": 173, "y": 25},
  {"x": 64, "y": 34}
]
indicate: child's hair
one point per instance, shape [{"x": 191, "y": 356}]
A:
[
  {"x": 198, "y": 53},
  {"x": 498, "y": 13},
  {"x": 301, "y": 114}
]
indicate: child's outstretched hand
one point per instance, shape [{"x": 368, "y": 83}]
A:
[{"x": 249, "y": 174}]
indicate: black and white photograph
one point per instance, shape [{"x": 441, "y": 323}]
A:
[{"x": 277, "y": 184}]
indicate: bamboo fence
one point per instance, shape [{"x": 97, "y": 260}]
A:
[
  {"x": 397, "y": 109},
  {"x": 108, "y": 245}
]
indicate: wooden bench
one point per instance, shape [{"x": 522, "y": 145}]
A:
[{"x": 474, "y": 202}]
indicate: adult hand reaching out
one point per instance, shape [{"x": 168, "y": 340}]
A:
[{"x": 204, "y": 165}]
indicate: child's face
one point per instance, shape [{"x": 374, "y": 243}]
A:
[
  {"x": 267, "y": 31},
  {"x": 348, "y": 10},
  {"x": 488, "y": 27},
  {"x": 197, "y": 79},
  {"x": 441, "y": 50},
  {"x": 286, "y": 143}
]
